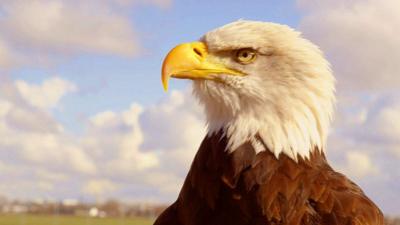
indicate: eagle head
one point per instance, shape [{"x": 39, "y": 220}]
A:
[{"x": 259, "y": 79}]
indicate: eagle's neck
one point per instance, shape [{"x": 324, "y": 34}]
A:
[
  {"x": 293, "y": 131},
  {"x": 279, "y": 139},
  {"x": 291, "y": 138}
]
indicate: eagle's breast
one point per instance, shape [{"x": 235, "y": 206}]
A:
[{"x": 243, "y": 188}]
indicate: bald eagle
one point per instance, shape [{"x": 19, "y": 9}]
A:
[{"x": 268, "y": 96}]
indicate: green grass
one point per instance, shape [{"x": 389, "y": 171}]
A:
[{"x": 68, "y": 220}]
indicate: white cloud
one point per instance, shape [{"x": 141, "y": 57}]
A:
[
  {"x": 385, "y": 123},
  {"x": 115, "y": 146},
  {"x": 359, "y": 165},
  {"x": 53, "y": 150},
  {"x": 159, "y": 3},
  {"x": 45, "y": 186},
  {"x": 324, "y": 4},
  {"x": 155, "y": 138},
  {"x": 360, "y": 39},
  {"x": 98, "y": 187},
  {"x": 49, "y": 175},
  {"x": 103, "y": 118},
  {"x": 150, "y": 146},
  {"x": 25, "y": 118},
  {"x": 179, "y": 110},
  {"x": 42, "y": 32},
  {"x": 31, "y": 134},
  {"x": 5, "y": 55},
  {"x": 5, "y": 107},
  {"x": 68, "y": 26},
  {"x": 116, "y": 138},
  {"x": 167, "y": 182},
  {"x": 48, "y": 94}
]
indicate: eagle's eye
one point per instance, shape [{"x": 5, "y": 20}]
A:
[{"x": 245, "y": 55}]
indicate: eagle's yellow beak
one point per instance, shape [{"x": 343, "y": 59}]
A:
[{"x": 191, "y": 61}]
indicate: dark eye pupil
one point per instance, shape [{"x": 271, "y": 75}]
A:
[{"x": 245, "y": 54}]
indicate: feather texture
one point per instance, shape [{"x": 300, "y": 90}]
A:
[{"x": 245, "y": 188}]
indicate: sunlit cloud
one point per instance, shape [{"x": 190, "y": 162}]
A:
[
  {"x": 46, "y": 95},
  {"x": 140, "y": 145},
  {"x": 41, "y": 32},
  {"x": 97, "y": 187},
  {"x": 6, "y": 57},
  {"x": 359, "y": 37}
]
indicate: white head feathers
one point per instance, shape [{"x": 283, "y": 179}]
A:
[{"x": 287, "y": 98}]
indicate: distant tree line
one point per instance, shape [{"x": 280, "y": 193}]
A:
[
  {"x": 392, "y": 221},
  {"x": 110, "y": 208}
]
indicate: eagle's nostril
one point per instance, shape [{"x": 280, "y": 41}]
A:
[{"x": 198, "y": 51}]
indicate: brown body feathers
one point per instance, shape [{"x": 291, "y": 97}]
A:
[{"x": 245, "y": 188}]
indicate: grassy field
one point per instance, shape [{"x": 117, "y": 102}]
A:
[{"x": 68, "y": 220}]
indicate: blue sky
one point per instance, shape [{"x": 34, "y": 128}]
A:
[{"x": 83, "y": 113}]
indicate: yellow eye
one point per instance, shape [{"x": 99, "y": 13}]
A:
[{"x": 246, "y": 55}]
